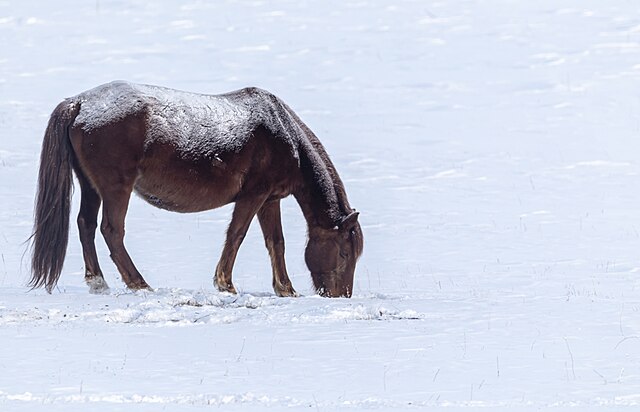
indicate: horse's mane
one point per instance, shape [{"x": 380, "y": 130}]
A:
[
  {"x": 338, "y": 186},
  {"x": 326, "y": 176}
]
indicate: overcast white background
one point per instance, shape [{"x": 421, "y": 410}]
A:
[{"x": 490, "y": 146}]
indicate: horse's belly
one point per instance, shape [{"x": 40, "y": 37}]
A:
[
  {"x": 176, "y": 203},
  {"x": 186, "y": 191}
]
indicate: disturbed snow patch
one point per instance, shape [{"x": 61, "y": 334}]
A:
[
  {"x": 181, "y": 307},
  {"x": 193, "y": 400}
]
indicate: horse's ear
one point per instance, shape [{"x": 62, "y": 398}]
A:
[{"x": 349, "y": 222}]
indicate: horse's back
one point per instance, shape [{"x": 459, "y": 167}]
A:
[
  {"x": 196, "y": 124},
  {"x": 181, "y": 151}
]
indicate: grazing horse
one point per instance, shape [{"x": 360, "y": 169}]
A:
[{"x": 189, "y": 152}]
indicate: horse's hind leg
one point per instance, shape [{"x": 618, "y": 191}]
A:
[
  {"x": 271, "y": 224},
  {"x": 87, "y": 224},
  {"x": 243, "y": 213},
  {"x": 114, "y": 211}
]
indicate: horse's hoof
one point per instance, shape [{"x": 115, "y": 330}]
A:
[
  {"x": 140, "y": 286},
  {"x": 287, "y": 292},
  {"x": 227, "y": 288},
  {"x": 97, "y": 285}
]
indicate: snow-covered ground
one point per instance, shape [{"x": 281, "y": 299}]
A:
[{"x": 492, "y": 148}]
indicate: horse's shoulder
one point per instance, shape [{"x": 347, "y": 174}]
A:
[
  {"x": 252, "y": 94},
  {"x": 254, "y": 91}
]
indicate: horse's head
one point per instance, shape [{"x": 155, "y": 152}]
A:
[{"x": 331, "y": 256}]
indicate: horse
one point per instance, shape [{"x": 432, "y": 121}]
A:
[{"x": 188, "y": 152}]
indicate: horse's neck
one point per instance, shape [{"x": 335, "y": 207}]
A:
[
  {"x": 317, "y": 216},
  {"x": 321, "y": 196}
]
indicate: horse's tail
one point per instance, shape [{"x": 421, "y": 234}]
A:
[{"x": 53, "y": 199}]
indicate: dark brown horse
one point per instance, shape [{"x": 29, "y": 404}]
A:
[{"x": 187, "y": 153}]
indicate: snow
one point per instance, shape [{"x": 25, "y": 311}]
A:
[{"x": 490, "y": 146}]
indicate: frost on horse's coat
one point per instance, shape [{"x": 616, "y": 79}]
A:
[
  {"x": 188, "y": 152},
  {"x": 201, "y": 129},
  {"x": 198, "y": 124}
]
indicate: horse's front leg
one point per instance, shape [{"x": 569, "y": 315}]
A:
[
  {"x": 271, "y": 224},
  {"x": 244, "y": 211}
]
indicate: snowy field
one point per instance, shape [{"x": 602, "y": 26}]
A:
[{"x": 492, "y": 148}]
